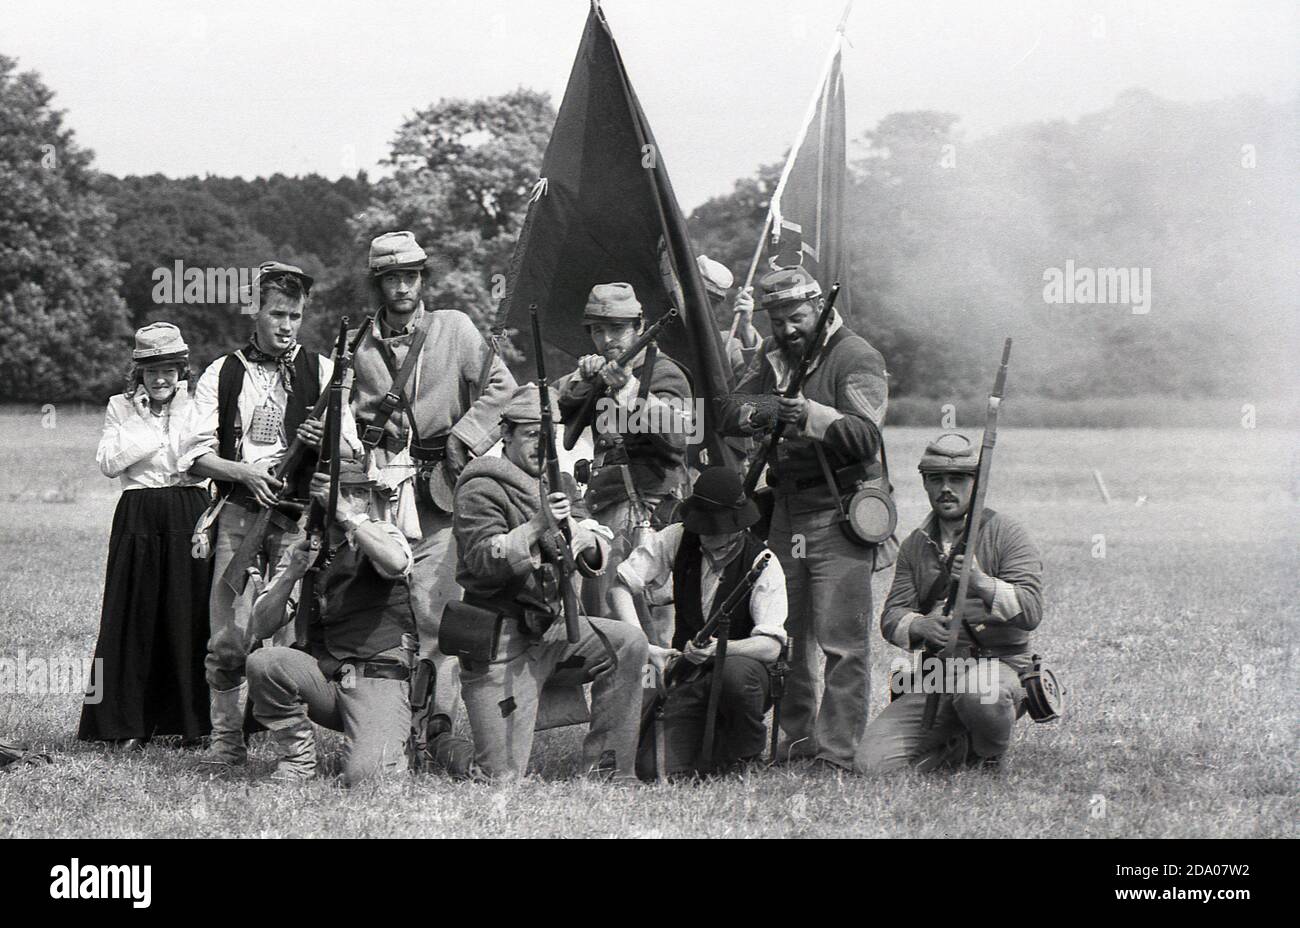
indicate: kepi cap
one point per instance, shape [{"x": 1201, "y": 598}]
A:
[
  {"x": 950, "y": 453},
  {"x": 525, "y": 405},
  {"x": 159, "y": 343},
  {"x": 396, "y": 251},
  {"x": 718, "y": 279},
  {"x": 615, "y": 302},
  {"x": 787, "y": 286}
]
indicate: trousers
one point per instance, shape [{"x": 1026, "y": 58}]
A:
[
  {"x": 501, "y": 697},
  {"x": 979, "y": 718},
  {"x": 828, "y": 587},
  {"x": 433, "y": 585},
  {"x": 739, "y": 733},
  {"x": 228, "y": 614},
  {"x": 287, "y": 686}
]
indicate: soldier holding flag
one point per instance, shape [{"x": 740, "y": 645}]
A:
[{"x": 740, "y": 336}]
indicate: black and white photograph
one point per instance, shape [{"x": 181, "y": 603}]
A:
[{"x": 607, "y": 419}]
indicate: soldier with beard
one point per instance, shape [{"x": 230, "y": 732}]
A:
[
  {"x": 421, "y": 436},
  {"x": 832, "y": 428},
  {"x": 1005, "y": 603}
]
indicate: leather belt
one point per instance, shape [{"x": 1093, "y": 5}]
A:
[
  {"x": 430, "y": 451},
  {"x": 382, "y": 670},
  {"x": 968, "y": 651},
  {"x": 243, "y": 497},
  {"x": 846, "y": 478}
]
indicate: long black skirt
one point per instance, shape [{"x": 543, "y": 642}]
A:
[{"x": 153, "y": 630}]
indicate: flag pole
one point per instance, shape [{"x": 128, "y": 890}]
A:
[{"x": 794, "y": 152}]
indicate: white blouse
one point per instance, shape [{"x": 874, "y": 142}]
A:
[{"x": 143, "y": 450}]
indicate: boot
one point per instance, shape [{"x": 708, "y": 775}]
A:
[
  {"x": 452, "y": 754},
  {"x": 296, "y": 746},
  {"x": 226, "y": 745}
]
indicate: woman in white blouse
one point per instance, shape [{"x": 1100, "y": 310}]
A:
[{"x": 154, "y": 624}]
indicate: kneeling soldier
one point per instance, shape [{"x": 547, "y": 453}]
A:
[
  {"x": 355, "y": 676},
  {"x": 705, "y": 558},
  {"x": 1005, "y": 603},
  {"x": 514, "y": 610}
]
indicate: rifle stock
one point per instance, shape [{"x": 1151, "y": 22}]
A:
[
  {"x": 236, "y": 575},
  {"x": 587, "y": 413},
  {"x": 956, "y": 602},
  {"x": 558, "y": 549},
  {"x": 792, "y": 390}
]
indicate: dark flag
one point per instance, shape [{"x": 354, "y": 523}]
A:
[
  {"x": 805, "y": 223},
  {"x": 604, "y": 211}
]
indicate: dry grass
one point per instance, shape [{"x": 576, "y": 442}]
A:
[{"x": 1178, "y": 649}]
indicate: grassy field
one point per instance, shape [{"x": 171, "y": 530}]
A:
[{"x": 1178, "y": 648}]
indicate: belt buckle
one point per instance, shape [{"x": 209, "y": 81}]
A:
[{"x": 372, "y": 435}]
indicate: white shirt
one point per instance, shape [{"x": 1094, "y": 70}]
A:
[
  {"x": 651, "y": 565},
  {"x": 203, "y": 422},
  {"x": 143, "y": 451}
]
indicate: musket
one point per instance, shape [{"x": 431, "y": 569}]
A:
[
  {"x": 792, "y": 390},
  {"x": 555, "y": 546},
  {"x": 719, "y": 628},
  {"x": 701, "y": 638},
  {"x": 956, "y": 602},
  {"x": 320, "y": 518},
  {"x": 236, "y": 575},
  {"x": 587, "y": 412}
]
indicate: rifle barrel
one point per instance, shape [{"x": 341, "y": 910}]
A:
[
  {"x": 588, "y": 411},
  {"x": 957, "y": 600},
  {"x": 550, "y": 482}
]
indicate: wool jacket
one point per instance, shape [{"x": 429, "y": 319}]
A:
[
  {"x": 847, "y": 394},
  {"x": 1004, "y": 551},
  {"x": 496, "y": 563},
  {"x": 441, "y": 387},
  {"x": 652, "y": 446}
]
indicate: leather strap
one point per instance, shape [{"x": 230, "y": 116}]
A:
[
  {"x": 396, "y": 396},
  {"x": 829, "y": 475}
]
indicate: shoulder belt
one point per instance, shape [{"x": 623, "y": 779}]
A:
[{"x": 374, "y": 432}]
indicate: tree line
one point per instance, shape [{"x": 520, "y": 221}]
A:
[{"x": 955, "y": 243}]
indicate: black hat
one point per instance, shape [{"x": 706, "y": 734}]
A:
[{"x": 718, "y": 505}]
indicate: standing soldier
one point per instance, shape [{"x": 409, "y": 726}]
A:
[
  {"x": 1005, "y": 603},
  {"x": 248, "y": 406},
  {"x": 423, "y": 413},
  {"x": 832, "y": 435},
  {"x": 512, "y": 609},
  {"x": 639, "y": 434},
  {"x": 743, "y": 344}
]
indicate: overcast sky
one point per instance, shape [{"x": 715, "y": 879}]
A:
[{"x": 239, "y": 87}]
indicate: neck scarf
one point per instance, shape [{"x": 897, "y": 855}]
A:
[{"x": 283, "y": 362}]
